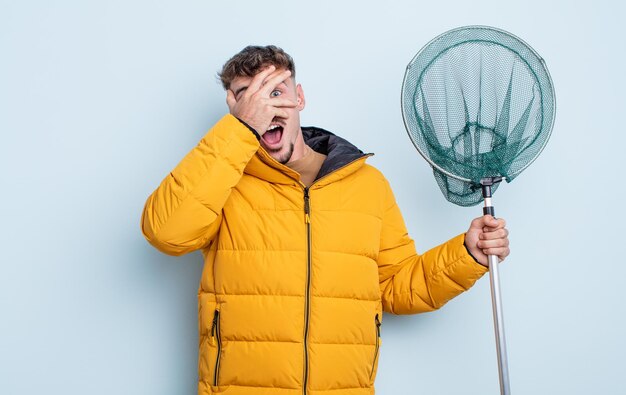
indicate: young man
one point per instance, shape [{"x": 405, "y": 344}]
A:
[{"x": 303, "y": 243}]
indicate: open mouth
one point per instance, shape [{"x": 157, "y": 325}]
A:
[{"x": 273, "y": 135}]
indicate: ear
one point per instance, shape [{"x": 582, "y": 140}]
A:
[{"x": 300, "y": 98}]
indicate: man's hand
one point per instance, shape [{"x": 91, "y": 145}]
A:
[
  {"x": 255, "y": 106},
  {"x": 487, "y": 236}
]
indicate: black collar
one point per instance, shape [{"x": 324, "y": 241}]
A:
[{"x": 339, "y": 152}]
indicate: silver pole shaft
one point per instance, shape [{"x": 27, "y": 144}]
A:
[
  {"x": 498, "y": 320},
  {"x": 498, "y": 324}
]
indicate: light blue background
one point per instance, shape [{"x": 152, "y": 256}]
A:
[{"x": 100, "y": 100}]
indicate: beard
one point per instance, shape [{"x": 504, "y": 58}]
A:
[{"x": 283, "y": 159}]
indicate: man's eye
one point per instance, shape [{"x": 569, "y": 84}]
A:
[{"x": 275, "y": 93}]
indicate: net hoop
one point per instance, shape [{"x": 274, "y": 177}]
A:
[{"x": 405, "y": 92}]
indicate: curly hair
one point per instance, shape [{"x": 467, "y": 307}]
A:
[{"x": 252, "y": 59}]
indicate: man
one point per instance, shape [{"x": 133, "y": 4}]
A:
[{"x": 304, "y": 245}]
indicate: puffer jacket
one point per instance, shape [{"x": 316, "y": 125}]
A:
[{"x": 295, "y": 279}]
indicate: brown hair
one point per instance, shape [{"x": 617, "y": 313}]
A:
[{"x": 252, "y": 59}]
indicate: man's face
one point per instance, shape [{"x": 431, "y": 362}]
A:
[{"x": 283, "y": 140}]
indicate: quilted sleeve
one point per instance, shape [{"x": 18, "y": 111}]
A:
[
  {"x": 183, "y": 214},
  {"x": 411, "y": 283}
]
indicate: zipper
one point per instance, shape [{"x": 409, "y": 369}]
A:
[
  {"x": 215, "y": 332},
  {"x": 307, "y": 220},
  {"x": 377, "y": 345}
]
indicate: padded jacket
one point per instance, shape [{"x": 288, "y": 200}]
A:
[{"x": 295, "y": 279}]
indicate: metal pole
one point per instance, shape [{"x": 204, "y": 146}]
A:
[{"x": 494, "y": 279}]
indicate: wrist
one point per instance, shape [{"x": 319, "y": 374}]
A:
[{"x": 470, "y": 253}]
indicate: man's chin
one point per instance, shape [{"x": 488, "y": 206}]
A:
[{"x": 281, "y": 155}]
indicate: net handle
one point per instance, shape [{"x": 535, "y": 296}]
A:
[{"x": 496, "y": 298}]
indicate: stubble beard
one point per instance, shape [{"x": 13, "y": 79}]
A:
[{"x": 284, "y": 158}]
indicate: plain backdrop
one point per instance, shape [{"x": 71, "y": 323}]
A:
[{"x": 99, "y": 100}]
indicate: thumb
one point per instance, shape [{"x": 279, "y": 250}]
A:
[
  {"x": 486, "y": 221},
  {"x": 478, "y": 223}
]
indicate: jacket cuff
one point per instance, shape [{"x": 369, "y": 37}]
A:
[
  {"x": 465, "y": 270},
  {"x": 256, "y": 134}
]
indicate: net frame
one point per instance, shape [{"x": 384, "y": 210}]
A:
[{"x": 430, "y": 52}]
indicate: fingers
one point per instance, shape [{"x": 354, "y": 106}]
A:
[
  {"x": 501, "y": 253},
  {"x": 273, "y": 81},
  {"x": 277, "y": 103},
  {"x": 485, "y": 221},
  {"x": 280, "y": 113},
  {"x": 493, "y": 223},
  {"x": 282, "y": 102},
  {"x": 497, "y": 243},
  {"x": 258, "y": 79},
  {"x": 499, "y": 233},
  {"x": 267, "y": 80},
  {"x": 499, "y": 247},
  {"x": 493, "y": 237}
]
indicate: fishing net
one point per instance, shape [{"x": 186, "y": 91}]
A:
[{"x": 477, "y": 103}]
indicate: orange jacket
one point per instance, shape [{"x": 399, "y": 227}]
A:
[{"x": 295, "y": 279}]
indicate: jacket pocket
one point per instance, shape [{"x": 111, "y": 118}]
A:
[
  {"x": 215, "y": 336},
  {"x": 375, "y": 359}
]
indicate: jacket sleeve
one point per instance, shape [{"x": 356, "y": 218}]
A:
[
  {"x": 184, "y": 213},
  {"x": 411, "y": 283}
]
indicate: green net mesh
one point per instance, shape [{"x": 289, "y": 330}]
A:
[{"x": 477, "y": 102}]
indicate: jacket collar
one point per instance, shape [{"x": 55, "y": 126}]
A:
[
  {"x": 339, "y": 152},
  {"x": 342, "y": 159}
]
